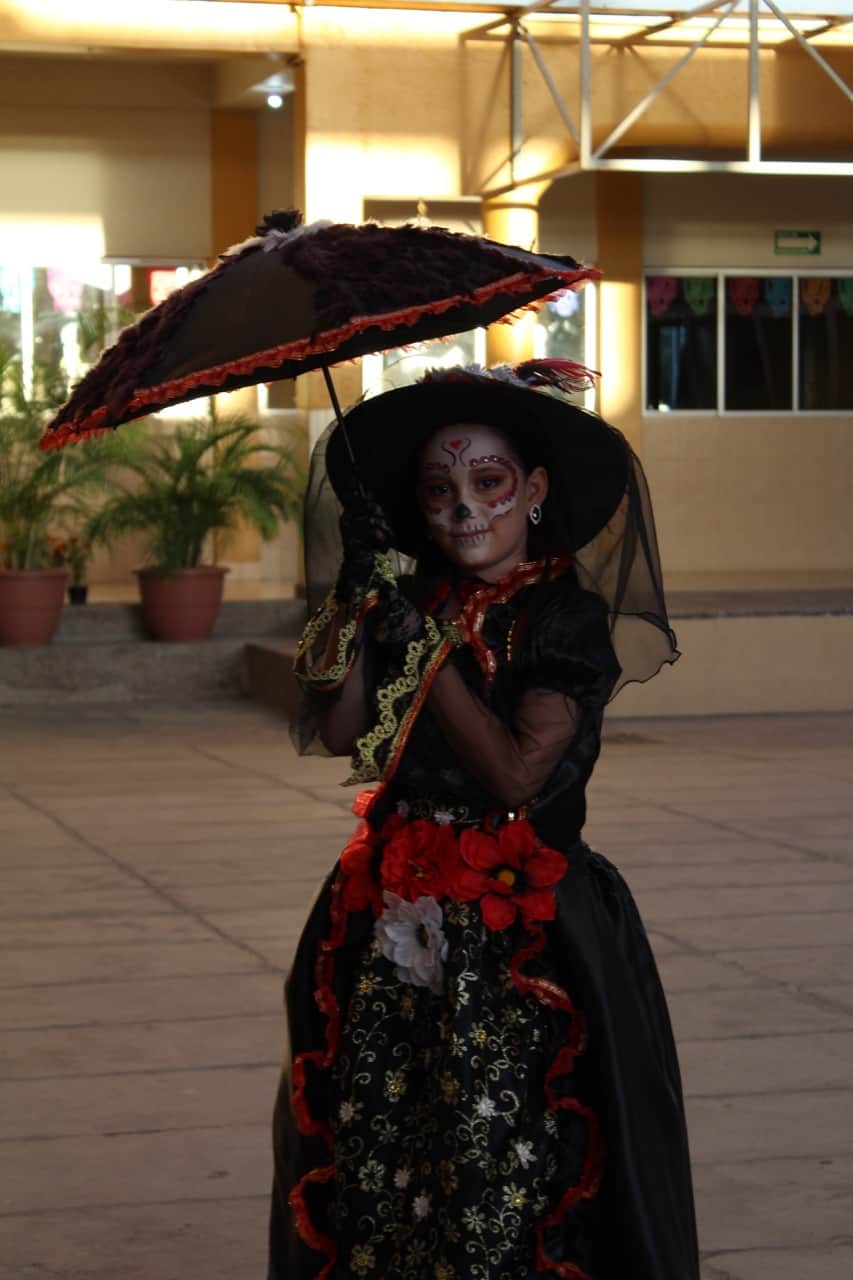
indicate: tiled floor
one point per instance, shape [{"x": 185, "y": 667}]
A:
[{"x": 155, "y": 871}]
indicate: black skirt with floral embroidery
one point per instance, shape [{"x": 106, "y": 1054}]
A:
[{"x": 482, "y": 1081}]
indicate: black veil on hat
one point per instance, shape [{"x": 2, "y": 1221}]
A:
[{"x": 598, "y": 505}]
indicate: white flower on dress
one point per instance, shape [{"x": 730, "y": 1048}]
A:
[
  {"x": 524, "y": 1151},
  {"x": 402, "y": 1178},
  {"x": 442, "y": 817},
  {"x": 410, "y": 936},
  {"x": 371, "y": 1175},
  {"x": 421, "y": 1206},
  {"x": 485, "y": 1108},
  {"x": 346, "y": 1113}
]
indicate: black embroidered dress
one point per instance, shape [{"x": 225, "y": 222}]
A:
[{"x": 484, "y": 1084}]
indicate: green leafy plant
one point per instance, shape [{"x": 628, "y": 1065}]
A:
[
  {"x": 40, "y": 492},
  {"x": 72, "y": 553},
  {"x": 99, "y": 325},
  {"x": 209, "y": 477}
]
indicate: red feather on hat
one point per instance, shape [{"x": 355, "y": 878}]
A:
[{"x": 563, "y": 375}]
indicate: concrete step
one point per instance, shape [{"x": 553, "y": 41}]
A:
[
  {"x": 745, "y": 655},
  {"x": 745, "y": 602},
  {"x": 101, "y": 654},
  {"x": 121, "y": 672},
  {"x": 268, "y": 675},
  {"x": 751, "y": 664},
  {"x": 115, "y": 623},
  {"x": 732, "y": 663}
]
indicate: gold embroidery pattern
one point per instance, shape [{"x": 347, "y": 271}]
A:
[
  {"x": 399, "y": 699},
  {"x": 331, "y": 676},
  {"x": 422, "y": 658},
  {"x": 446, "y": 1153},
  {"x": 316, "y": 624},
  {"x": 328, "y": 674}
]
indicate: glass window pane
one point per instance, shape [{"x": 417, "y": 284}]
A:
[
  {"x": 826, "y": 342},
  {"x": 403, "y": 365},
  {"x": 73, "y": 318},
  {"x": 560, "y": 328},
  {"x": 10, "y": 309},
  {"x": 57, "y": 319},
  {"x": 759, "y": 343},
  {"x": 681, "y": 342}
]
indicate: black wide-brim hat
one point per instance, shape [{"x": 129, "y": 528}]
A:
[{"x": 587, "y": 460}]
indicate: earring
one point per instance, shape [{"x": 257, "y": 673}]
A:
[{"x": 534, "y": 515}]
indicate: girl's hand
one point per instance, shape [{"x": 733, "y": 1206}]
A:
[
  {"x": 364, "y": 531},
  {"x": 396, "y": 619}
]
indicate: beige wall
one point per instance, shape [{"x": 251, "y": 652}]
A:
[
  {"x": 711, "y": 220},
  {"x": 121, "y": 164},
  {"x": 728, "y": 220},
  {"x": 382, "y": 108},
  {"x": 737, "y": 666},
  {"x": 750, "y": 492},
  {"x": 275, "y": 158},
  {"x": 567, "y": 218},
  {"x": 395, "y": 107},
  {"x": 125, "y": 144}
]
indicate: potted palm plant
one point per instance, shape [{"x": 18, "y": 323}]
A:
[
  {"x": 209, "y": 477},
  {"x": 39, "y": 492},
  {"x": 72, "y": 553}
]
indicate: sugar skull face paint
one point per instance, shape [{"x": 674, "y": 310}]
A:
[
  {"x": 467, "y": 483},
  {"x": 472, "y": 492}
]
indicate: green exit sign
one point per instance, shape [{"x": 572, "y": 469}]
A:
[{"x": 798, "y": 242}]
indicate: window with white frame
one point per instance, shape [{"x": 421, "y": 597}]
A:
[
  {"x": 55, "y": 320},
  {"x": 565, "y": 328},
  {"x": 759, "y": 342},
  {"x": 387, "y": 370}
]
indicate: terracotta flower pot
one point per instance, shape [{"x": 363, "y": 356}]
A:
[
  {"x": 30, "y": 604},
  {"x": 182, "y": 606}
]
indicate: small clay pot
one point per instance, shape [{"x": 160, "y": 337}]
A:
[
  {"x": 182, "y": 606},
  {"x": 77, "y": 593},
  {"x": 30, "y": 604}
]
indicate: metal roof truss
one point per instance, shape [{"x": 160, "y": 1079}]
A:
[{"x": 579, "y": 126}]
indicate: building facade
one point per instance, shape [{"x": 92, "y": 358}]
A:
[{"x": 714, "y": 188}]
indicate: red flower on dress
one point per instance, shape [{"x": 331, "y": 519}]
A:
[
  {"x": 360, "y": 880},
  {"x": 517, "y": 874},
  {"x": 417, "y": 859}
]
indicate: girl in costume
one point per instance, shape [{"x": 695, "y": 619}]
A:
[{"x": 482, "y": 1082}]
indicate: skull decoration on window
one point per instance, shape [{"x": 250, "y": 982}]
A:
[
  {"x": 661, "y": 292},
  {"x": 743, "y": 294},
  {"x": 699, "y": 294},
  {"x": 777, "y": 295},
  {"x": 815, "y": 292}
]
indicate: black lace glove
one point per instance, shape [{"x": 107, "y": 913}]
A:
[
  {"x": 396, "y": 619},
  {"x": 364, "y": 531}
]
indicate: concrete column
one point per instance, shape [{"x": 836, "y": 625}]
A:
[
  {"x": 513, "y": 219},
  {"x": 619, "y": 224}
]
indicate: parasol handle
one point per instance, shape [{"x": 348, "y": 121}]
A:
[{"x": 336, "y": 405}]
